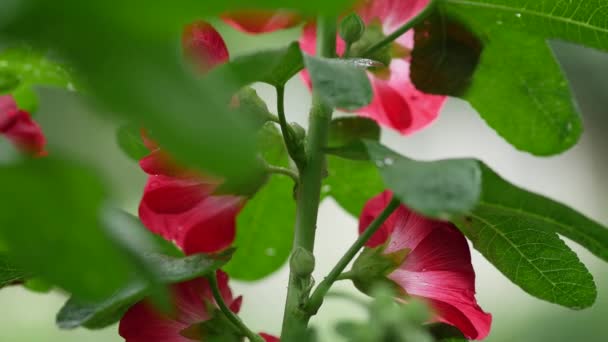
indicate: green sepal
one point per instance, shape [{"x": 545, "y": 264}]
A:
[
  {"x": 372, "y": 267},
  {"x": 251, "y": 105}
]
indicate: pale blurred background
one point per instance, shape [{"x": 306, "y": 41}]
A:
[{"x": 575, "y": 178}]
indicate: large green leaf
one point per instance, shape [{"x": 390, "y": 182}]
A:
[
  {"x": 517, "y": 231},
  {"x": 518, "y": 87},
  {"x": 442, "y": 189},
  {"x": 129, "y": 139},
  {"x": 552, "y": 216},
  {"x": 51, "y": 228},
  {"x": 351, "y": 182},
  {"x": 265, "y": 226},
  {"x": 340, "y": 83},
  {"x": 100, "y": 314}
]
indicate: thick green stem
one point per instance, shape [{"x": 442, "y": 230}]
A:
[
  {"x": 295, "y": 320},
  {"x": 401, "y": 30},
  {"x": 316, "y": 299},
  {"x": 234, "y": 319}
]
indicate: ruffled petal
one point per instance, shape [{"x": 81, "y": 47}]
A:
[
  {"x": 260, "y": 21},
  {"x": 212, "y": 226},
  {"x": 404, "y": 229},
  {"x": 185, "y": 211},
  {"x": 18, "y": 127},
  {"x": 439, "y": 269},
  {"x": 143, "y": 324},
  {"x": 204, "y": 45},
  {"x": 191, "y": 299}
]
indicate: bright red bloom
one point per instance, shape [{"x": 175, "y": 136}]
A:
[
  {"x": 269, "y": 338},
  {"x": 260, "y": 21},
  {"x": 194, "y": 304},
  {"x": 437, "y": 267},
  {"x": 181, "y": 207},
  {"x": 19, "y": 128},
  {"x": 204, "y": 45},
  {"x": 396, "y": 103}
]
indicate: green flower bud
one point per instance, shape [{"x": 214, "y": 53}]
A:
[
  {"x": 250, "y": 104},
  {"x": 352, "y": 28},
  {"x": 302, "y": 262}
]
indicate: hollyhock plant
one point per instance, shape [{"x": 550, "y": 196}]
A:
[
  {"x": 204, "y": 45},
  {"x": 18, "y": 126},
  {"x": 433, "y": 264},
  {"x": 396, "y": 102},
  {"x": 259, "y": 21}
]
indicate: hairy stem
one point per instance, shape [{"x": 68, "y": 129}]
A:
[
  {"x": 295, "y": 320},
  {"x": 401, "y": 30},
  {"x": 234, "y": 319},
  {"x": 316, "y": 299}
]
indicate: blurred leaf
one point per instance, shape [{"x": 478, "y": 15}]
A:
[
  {"x": 10, "y": 273},
  {"x": 440, "y": 189},
  {"x": 51, "y": 227},
  {"x": 265, "y": 226},
  {"x": 250, "y": 104},
  {"x": 26, "y": 99},
  {"x": 339, "y": 83},
  {"x": 351, "y": 182},
  {"x": 30, "y": 67},
  {"x": 520, "y": 91},
  {"x": 445, "y": 333},
  {"x": 516, "y": 231},
  {"x": 38, "y": 285},
  {"x": 130, "y": 141},
  {"x": 100, "y": 314},
  {"x": 274, "y": 67}
]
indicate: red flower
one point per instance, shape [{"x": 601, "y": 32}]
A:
[
  {"x": 437, "y": 267},
  {"x": 396, "y": 102},
  {"x": 194, "y": 304},
  {"x": 204, "y": 45},
  {"x": 260, "y": 21},
  {"x": 181, "y": 206},
  {"x": 19, "y": 128},
  {"x": 269, "y": 338}
]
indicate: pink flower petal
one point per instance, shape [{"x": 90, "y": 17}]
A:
[
  {"x": 166, "y": 195},
  {"x": 392, "y": 13},
  {"x": 260, "y": 21},
  {"x": 204, "y": 45}
]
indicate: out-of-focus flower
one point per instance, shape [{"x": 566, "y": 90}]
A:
[
  {"x": 260, "y": 21},
  {"x": 193, "y": 306},
  {"x": 204, "y": 45},
  {"x": 396, "y": 103},
  {"x": 19, "y": 128},
  {"x": 431, "y": 261}
]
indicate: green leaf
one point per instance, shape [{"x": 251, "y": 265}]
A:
[
  {"x": 10, "y": 273},
  {"x": 351, "y": 182},
  {"x": 100, "y": 314},
  {"x": 51, "y": 227},
  {"x": 544, "y": 212},
  {"x": 130, "y": 141},
  {"x": 516, "y": 231},
  {"x": 265, "y": 226},
  {"x": 339, "y": 83},
  {"x": 440, "y": 189},
  {"x": 520, "y": 91}
]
